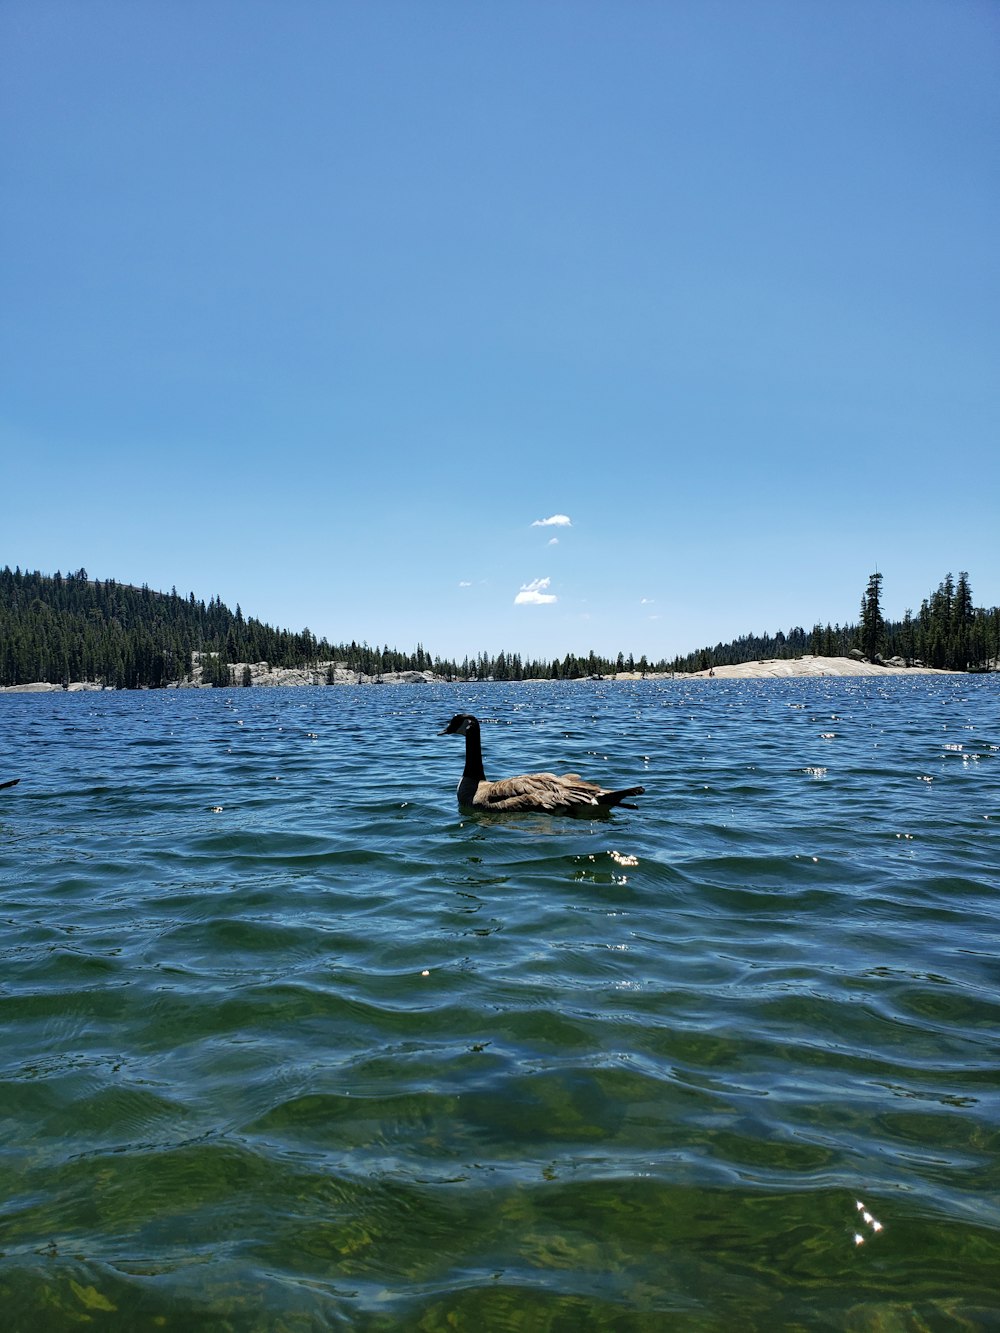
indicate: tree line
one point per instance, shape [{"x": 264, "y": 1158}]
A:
[
  {"x": 68, "y": 627},
  {"x": 64, "y": 628},
  {"x": 948, "y": 632}
]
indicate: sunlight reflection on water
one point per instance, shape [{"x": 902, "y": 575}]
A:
[{"x": 288, "y": 1037}]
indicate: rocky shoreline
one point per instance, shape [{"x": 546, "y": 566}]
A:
[
  {"x": 260, "y": 675},
  {"x": 783, "y": 668},
  {"x": 256, "y": 674}
]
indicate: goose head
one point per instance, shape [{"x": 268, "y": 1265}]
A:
[{"x": 460, "y": 725}]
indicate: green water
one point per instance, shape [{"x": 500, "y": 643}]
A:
[{"x": 290, "y": 1043}]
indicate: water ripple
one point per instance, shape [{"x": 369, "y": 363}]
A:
[{"x": 290, "y": 1042}]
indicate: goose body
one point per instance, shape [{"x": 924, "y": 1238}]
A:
[
  {"x": 11, "y": 782},
  {"x": 543, "y": 793}
]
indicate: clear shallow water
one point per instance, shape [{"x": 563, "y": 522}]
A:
[{"x": 335, "y": 1055}]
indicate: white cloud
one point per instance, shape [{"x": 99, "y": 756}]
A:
[
  {"x": 464, "y": 583},
  {"x": 556, "y": 521},
  {"x": 646, "y": 601},
  {"x": 534, "y": 594},
  {"x": 553, "y": 541}
]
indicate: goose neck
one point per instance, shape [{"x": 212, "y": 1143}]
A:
[{"x": 474, "y": 754}]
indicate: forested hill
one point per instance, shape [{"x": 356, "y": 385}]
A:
[
  {"x": 68, "y": 628},
  {"x": 65, "y": 628}
]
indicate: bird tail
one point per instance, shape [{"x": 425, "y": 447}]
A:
[
  {"x": 610, "y": 798},
  {"x": 11, "y": 782}
]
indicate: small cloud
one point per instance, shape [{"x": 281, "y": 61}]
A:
[
  {"x": 553, "y": 541},
  {"x": 534, "y": 594},
  {"x": 556, "y": 521},
  {"x": 646, "y": 601},
  {"x": 464, "y": 583}
]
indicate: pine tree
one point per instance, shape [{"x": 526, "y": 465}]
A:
[
  {"x": 872, "y": 629},
  {"x": 962, "y": 617},
  {"x": 906, "y": 640}
]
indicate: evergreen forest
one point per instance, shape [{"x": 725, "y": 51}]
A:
[{"x": 66, "y": 628}]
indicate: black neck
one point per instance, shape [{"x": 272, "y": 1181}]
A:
[{"x": 474, "y": 754}]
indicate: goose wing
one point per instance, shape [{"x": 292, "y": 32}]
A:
[{"x": 538, "y": 791}]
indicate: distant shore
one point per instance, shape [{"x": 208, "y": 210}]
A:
[
  {"x": 261, "y": 676},
  {"x": 781, "y": 668}
]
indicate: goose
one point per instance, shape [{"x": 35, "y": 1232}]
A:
[
  {"x": 11, "y": 782},
  {"x": 544, "y": 793}
]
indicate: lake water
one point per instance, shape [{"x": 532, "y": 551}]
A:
[{"x": 290, "y": 1043}]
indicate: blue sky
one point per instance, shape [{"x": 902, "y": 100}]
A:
[{"x": 324, "y": 307}]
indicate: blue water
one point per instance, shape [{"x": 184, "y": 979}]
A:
[{"x": 290, "y": 1043}]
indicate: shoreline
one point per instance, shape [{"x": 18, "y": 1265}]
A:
[
  {"x": 777, "y": 668},
  {"x": 333, "y": 674}
]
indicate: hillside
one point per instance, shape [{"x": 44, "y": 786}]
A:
[{"x": 65, "y": 629}]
